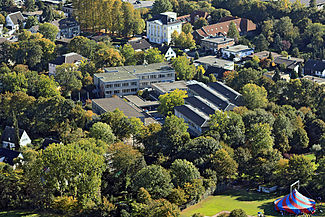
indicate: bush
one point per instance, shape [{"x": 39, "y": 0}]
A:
[
  {"x": 238, "y": 213},
  {"x": 65, "y": 205}
]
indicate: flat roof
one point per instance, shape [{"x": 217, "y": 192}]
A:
[
  {"x": 115, "y": 76},
  {"x": 140, "y": 69},
  {"x": 315, "y": 79},
  {"x": 218, "y": 40},
  {"x": 137, "y": 101},
  {"x": 112, "y": 103},
  {"x": 213, "y": 61},
  {"x": 238, "y": 48},
  {"x": 166, "y": 87}
]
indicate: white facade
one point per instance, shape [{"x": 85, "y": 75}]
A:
[
  {"x": 170, "y": 54},
  {"x": 24, "y": 140},
  {"x": 10, "y": 23},
  {"x": 160, "y": 30}
]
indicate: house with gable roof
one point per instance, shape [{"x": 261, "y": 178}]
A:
[
  {"x": 13, "y": 20},
  {"x": 9, "y": 138}
]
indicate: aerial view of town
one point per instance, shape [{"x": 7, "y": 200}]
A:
[{"x": 162, "y": 108}]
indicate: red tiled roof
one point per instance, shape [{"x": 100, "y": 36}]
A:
[
  {"x": 201, "y": 33},
  {"x": 243, "y": 25}
]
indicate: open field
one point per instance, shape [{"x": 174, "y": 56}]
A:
[{"x": 251, "y": 202}]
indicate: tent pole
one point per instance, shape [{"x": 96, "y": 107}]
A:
[{"x": 297, "y": 182}]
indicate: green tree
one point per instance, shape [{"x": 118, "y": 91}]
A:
[
  {"x": 161, "y": 6},
  {"x": 183, "y": 67},
  {"x": 2, "y": 19},
  {"x": 187, "y": 28},
  {"x": 319, "y": 177},
  {"x": 199, "y": 23},
  {"x": 169, "y": 100},
  {"x": 48, "y": 14},
  {"x": 68, "y": 77},
  {"x": 153, "y": 55},
  {"x": 162, "y": 207},
  {"x": 313, "y": 4},
  {"x": 299, "y": 168},
  {"x": 48, "y": 30},
  {"x": 219, "y": 13},
  {"x": 237, "y": 213},
  {"x": 268, "y": 30},
  {"x": 103, "y": 132},
  {"x": 129, "y": 55},
  {"x": 42, "y": 86},
  {"x": 259, "y": 138},
  {"x": 29, "y": 5},
  {"x": 14, "y": 82},
  {"x": 162, "y": 185},
  {"x": 30, "y": 21},
  {"x": 183, "y": 171},
  {"x": 261, "y": 43},
  {"x": 233, "y": 31},
  {"x": 224, "y": 165},
  {"x": 83, "y": 46},
  {"x": 255, "y": 96}
]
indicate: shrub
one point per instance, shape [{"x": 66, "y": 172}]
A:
[
  {"x": 65, "y": 205},
  {"x": 238, "y": 213}
]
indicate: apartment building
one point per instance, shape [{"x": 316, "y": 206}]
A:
[
  {"x": 161, "y": 27},
  {"x": 127, "y": 80}
]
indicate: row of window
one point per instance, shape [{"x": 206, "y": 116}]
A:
[
  {"x": 156, "y": 76},
  {"x": 126, "y": 84},
  {"x": 109, "y": 92}
]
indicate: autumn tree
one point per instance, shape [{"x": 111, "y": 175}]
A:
[
  {"x": 255, "y": 96},
  {"x": 233, "y": 31},
  {"x": 183, "y": 68},
  {"x": 48, "y": 30},
  {"x": 169, "y": 100},
  {"x": 68, "y": 77}
]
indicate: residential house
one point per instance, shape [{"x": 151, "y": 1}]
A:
[
  {"x": 1, "y": 30},
  {"x": 204, "y": 100},
  {"x": 141, "y": 4},
  {"x": 315, "y": 67},
  {"x": 8, "y": 156},
  {"x": 161, "y": 27},
  {"x": 100, "y": 106},
  {"x": 214, "y": 44},
  {"x": 290, "y": 63},
  {"x": 127, "y": 80},
  {"x": 168, "y": 52},
  {"x": 265, "y": 54},
  {"x": 13, "y": 20},
  {"x": 37, "y": 14},
  {"x": 237, "y": 52},
  {"x": 140, "y": 45},
  {"x": 244, "y": 26},
  {"x": 68, "y": 27},
  {"x": 215, "y": 66},
  {"x": 9, "y": 138},
  {"x": 68, "y": 10},
  {"x": 167, "y": 87},
  {"x": 65, "y": 58}
]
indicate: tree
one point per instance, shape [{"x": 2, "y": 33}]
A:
[
  {"x": 233, "y": 31},
  {"x": 162, "y": 185},
  {"x": 299, "y": 168},
  {"x": 48, "y": 14},
  {"x": 169, "y": 100},
  {"x": 30, "y": 21},
  {"x": 161, "y": 6},
  {"x": 219, "y": 13},
  {"x": 83, "y": 46},
  {"x": 199, "y": 150},
  {"x": 223, "y": 164},
  {"x": 268, "y": 30},
  {"x": 187, "y": 28},
  {"x": 42, "y": 86},
  {"x": 153, "y": 55},
  {"x": 313, "y": 4},
  {"x": 129, "y": 55},
  {"x": 183, "y": 68},
  {"x": 261, "y": 43},
  {"x": 299, "y": 140},
  {"x": 199, "y": 23},
  {"x": 255, "y": 96},
  {"x": 48, "y": 30},
  {"x": 319, "y": 177},
  {"x": 108, "y": 57},
  {"x": 103, "y": 132},
  {"x": 2, "y": 19},
  {"x": 276, "y": 77},
  {"x": 237, "y": 213},
  {"x": 29, "y": 5},
  {"x": 162, "y": 207},
  {"x": 183, "y": 171},
  {"x": 68, "y": 77},
  {"x": 259, "y": 138},
  {"x": 282, "y": 129},
  {"x": 173, "y": 136}
]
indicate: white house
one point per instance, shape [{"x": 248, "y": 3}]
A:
[
  {"x": 13, "y": 20},
  {"x": 66, "y": 58},
  {"x": 236, "y": 52},
  {"x": 8, "y": 156},
  {"x": 161, "y": 27},
  {"x": 168, "y": 52},
  {"x": 9, "y": 138}
]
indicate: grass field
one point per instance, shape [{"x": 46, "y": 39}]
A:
[
  {"x": 17, "y": 213},
  {"x": 251, "y": 202}
]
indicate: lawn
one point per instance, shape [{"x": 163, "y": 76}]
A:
[
  {"x": 251, "y": 202},
  {"x": 17, "y": 213},
  {"x": 311, "y": 157}
]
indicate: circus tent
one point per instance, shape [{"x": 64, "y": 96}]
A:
[{"x": 295, "y": 203}]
